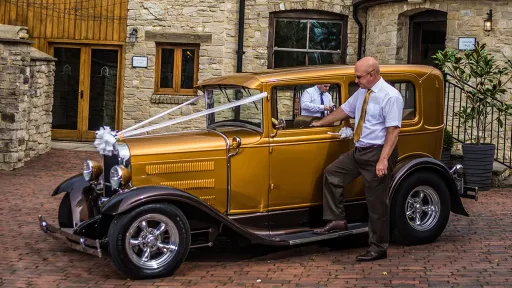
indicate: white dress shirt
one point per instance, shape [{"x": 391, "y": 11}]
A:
[
  {"x": 384, "y": 109},
  {"x": 311, "y": 104}
]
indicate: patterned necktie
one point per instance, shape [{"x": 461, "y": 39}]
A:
[
  {"x": 322, "y": 102},
  {"x": 359, "y": 128}
]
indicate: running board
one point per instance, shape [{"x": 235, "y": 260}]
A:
[{"x": 309, "y": 236}]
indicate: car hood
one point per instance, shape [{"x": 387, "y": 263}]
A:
[{"x": 189, "y": 141}]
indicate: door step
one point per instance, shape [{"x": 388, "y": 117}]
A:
[{"x": 309, "y": 236}]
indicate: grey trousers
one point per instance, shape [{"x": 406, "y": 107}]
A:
[{"x": 350, "y": 165}]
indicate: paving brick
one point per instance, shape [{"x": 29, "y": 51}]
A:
[{"x": 473, "y": 251}]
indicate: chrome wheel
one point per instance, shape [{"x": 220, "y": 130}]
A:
[
  {"x": 422, "y": 208},
  {"x": 152, "y": 241}
]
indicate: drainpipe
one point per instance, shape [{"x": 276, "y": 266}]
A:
[
  {"x": 240, "y": 51},
  {"x": 359, "y": 31}
]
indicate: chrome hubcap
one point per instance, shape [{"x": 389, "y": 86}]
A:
[
  {"x": 422, "y": 208},
  {"x": 152, "y": 241}
]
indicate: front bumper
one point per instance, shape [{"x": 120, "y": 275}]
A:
[{"x": 76, "y": 242}]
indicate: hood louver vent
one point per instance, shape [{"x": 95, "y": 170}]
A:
[
  {"x": 180, "y": 168},
  {"x": 192, "y": 184}
]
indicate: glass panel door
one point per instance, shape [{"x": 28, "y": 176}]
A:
[
  {"x": 66, "y": 93},
  {"x": 86, "y": 90},
  {"x": 103, "y": 89}
]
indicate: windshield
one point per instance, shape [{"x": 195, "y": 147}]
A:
[{"x": 246, "y": 115}]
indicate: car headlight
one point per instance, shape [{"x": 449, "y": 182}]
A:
[
  {"x": 92, "y": 170},
  {"x": 119, "y": 176}
]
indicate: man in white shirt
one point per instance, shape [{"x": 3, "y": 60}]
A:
[
  {"x": 316, "y": 101},
  {"x": 377, "y": 109}
]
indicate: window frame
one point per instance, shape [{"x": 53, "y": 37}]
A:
[
  {"x": 306, "y": 15},
  {"x": 274, "y": 103},
  {"x": 176, "y": 90}
]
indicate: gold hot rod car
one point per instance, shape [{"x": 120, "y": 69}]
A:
[{"x": 254, "y": 173}]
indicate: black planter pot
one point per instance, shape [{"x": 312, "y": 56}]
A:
[
  {"x": 477, "y": 163},
  {"x": 446, "y": 158}
]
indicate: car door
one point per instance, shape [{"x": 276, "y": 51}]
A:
[{"x": 298, "y": 156}]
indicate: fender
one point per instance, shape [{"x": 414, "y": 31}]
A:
[
  {"x": 135, "y": 197},
  {"x": 407, "y": 167},
  {"x": 80, "y": 192}
]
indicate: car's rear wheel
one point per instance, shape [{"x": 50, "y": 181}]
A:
[
  {"x": 150, "y": 241},
  {"x": 420, "y": 209}
]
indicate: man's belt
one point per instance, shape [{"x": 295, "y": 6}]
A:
[{"x": 362, "y": 148}]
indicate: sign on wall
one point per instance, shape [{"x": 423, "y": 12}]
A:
[
  {"x": 139, "y": 61},
  {"x": 467, "y": 43}
]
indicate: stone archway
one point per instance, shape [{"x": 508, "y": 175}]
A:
[
  {"x": 427, "y": 35},
  {"x": 420, "y": 33}
]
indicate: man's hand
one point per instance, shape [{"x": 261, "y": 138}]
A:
[
  {"x": 382, "y": 167},
  {"x": 315, "y": 123},
  {"x": 327, "y": 108}
]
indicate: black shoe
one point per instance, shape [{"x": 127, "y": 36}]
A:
[
  {"x": 371, "y": 256},
  {"x": 333, "y": 226}
]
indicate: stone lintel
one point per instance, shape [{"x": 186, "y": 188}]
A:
[{"x": 172, "y": 37}]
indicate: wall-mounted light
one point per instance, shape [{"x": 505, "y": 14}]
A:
[
  {"x": 488, "y": 21},
  {"x": 133, "y": 36}
]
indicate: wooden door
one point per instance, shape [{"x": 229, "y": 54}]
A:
[{"x": 86, "y": 90}]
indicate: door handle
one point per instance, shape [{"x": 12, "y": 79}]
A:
[{"x": 81, "y": 94}]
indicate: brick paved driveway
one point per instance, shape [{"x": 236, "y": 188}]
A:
[{"x": 474, "y": 251}]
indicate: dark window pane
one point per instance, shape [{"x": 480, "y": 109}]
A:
[
  {"x": 167, "y": 68},
  {"x": 102, "y": 99},
  {"x": 187, "y": 68},
  {"x": 289, "y": 59},
  {"x": 318, "y": 58},
  {"x": 291, "y": 34},
  {"x": 324, "y": 35},
  {"x": 66, "y": 91}
]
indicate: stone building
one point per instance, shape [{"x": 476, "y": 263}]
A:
[
  {"x": 123, "y": 61},
  {"x": 395, "y": 32}
]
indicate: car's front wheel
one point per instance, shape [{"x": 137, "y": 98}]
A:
[
  {"x": 149, "y": 242},
  {"x": 420, "y": 209}
]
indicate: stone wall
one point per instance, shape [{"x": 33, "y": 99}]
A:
[
  {"x": 26, "y": 95},
  {"x": 388, "y": 26},
  {"x": 214, "y": 26},
  {"x": 388, "y": 35}
]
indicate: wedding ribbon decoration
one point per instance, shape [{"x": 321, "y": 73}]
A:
[
  {"x": 160, "y": 115},
  {"x": 105, "y": 141},
  {"x": 106, "y": 138}
]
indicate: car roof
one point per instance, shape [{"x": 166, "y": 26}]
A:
[{"x": 254, "y": 80}]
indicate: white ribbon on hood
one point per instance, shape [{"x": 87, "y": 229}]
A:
[{"x": 106, "y": 138}]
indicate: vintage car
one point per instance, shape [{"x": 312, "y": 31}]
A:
[{"x": 254, "y": 174}]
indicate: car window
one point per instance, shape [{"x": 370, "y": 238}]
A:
[
  {"x": 405, "y": 88},
  {"x": 299, "y": 105},
  {"x": 247, "y": 115}
]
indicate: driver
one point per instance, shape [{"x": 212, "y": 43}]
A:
[{"x": 316, "y": 101}]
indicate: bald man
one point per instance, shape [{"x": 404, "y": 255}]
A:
[{"x": 377, "y": 109}]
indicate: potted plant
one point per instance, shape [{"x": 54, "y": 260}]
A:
[
  {"x": 446, "y": 153},
  {"x": 482, "y": 81}
]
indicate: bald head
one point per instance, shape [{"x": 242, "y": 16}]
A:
[
  {"x": 367, "y": 72},
  {"x": 368, "y": 64}
]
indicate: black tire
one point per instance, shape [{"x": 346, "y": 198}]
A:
[
  {"x": 401, "y": 228},
  {"x": 124, "y": 260},
  {"x": 65, "y": 215}
]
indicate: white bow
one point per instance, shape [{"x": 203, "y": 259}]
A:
[{"x": 105, "y": 140}]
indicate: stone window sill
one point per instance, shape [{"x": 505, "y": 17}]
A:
[{"x": 170, "y": 99}]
